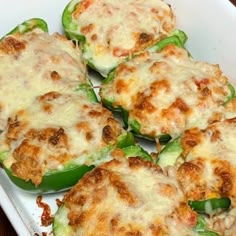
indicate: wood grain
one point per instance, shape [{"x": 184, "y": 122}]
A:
[
  {"x": 6, "y": 228},
  {"x": 233, "y": 1}
]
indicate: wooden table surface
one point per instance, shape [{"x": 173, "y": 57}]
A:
[{"x": 5, "y": 226}]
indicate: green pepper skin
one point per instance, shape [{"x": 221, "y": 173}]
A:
[
  {"x": 53, "y": 181},
  {"x": 87, "y": 88},
  {"x": 65, "y": 178},
  {"x": 56, "y": 180},
  {"x": 135, "y": 128},
  {"x": 181, "y": 35},
  {"x": 201, "y": 227},
  {"x": 170, "y": 153},
  {"x": 61, "y": 222},
  {"x": 178, "y": 38},
  {"x": 68, "y": 175},
  {"x": 70, "y": 29},
  {"x": 232, "y": 93},
  {"x": 134, "y": 125},
  {"x": 67, "y": 22},
  {"x": 201, "y": 223},
  {"x": 207, "y": 233},
  {"x": 125, "y": 140},
  {"x": 29, "y": 25},
  {"x": 133, "y": 151},
  {"x": 210, "y": 206}
]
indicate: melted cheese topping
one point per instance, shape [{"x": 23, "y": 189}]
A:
[
  {"x": 114, "y": 30},
  {"x": 230, "y": 108},
  {"x": 210, "y": 167},
  {"x": 128, "y": 197},
  {"x": 224, "y": 223},
  {"x": 168, "y": 92},
  {"x": 55, "y": 130},
  {"x": 33, "y": 64}
]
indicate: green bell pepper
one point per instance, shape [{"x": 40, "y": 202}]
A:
[
  {"x": 207, "y": 233},
  {"x": 179, "y": 38},
  {"x": 232, "y": 93},
  {"x": 38, "y": 23},
  {"x": 134, "y": 125},
  {"x": 135, "y": 128},
  {"x": 136, "y": 150},
  {"x": 70, "y": 173},
  {"x": 29, "y": 25},
  {"x": 57, "y": 180},
  {"x": 88, "y": 90},
  {"x": 125, "y": 140},
  {"x": 210, "y": 206},
  {"x": 69, "y": 27},
  {"x": 201, "y": 227},
  {"x": 61, "y": 222},
  {"x": 170, "y": 153},
  {"x": 60, "y": 179},
  {"x": 71, "y": 31}
]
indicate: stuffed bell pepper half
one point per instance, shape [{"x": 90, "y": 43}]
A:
[
  {"x": 163, "y": 91},
  {"x": 111, "y": 32},
  {"x": 126, "y": 196},
  {"x": 206, "y": 171},
  {"x": 53, "y": 129}
]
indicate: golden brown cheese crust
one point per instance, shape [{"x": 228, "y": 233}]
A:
[
  {"x": 168, "y": 92},
  {"x": 54, "y": 130},
  {"x": 33, "y": 64},
  {"x": 128, "y": 197},
  {"x": 104, "y": 8},
  {"x": 230, "y": 108},
  {"x": 210, "y": 167},
  {"x": 12, "y": 46}
]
